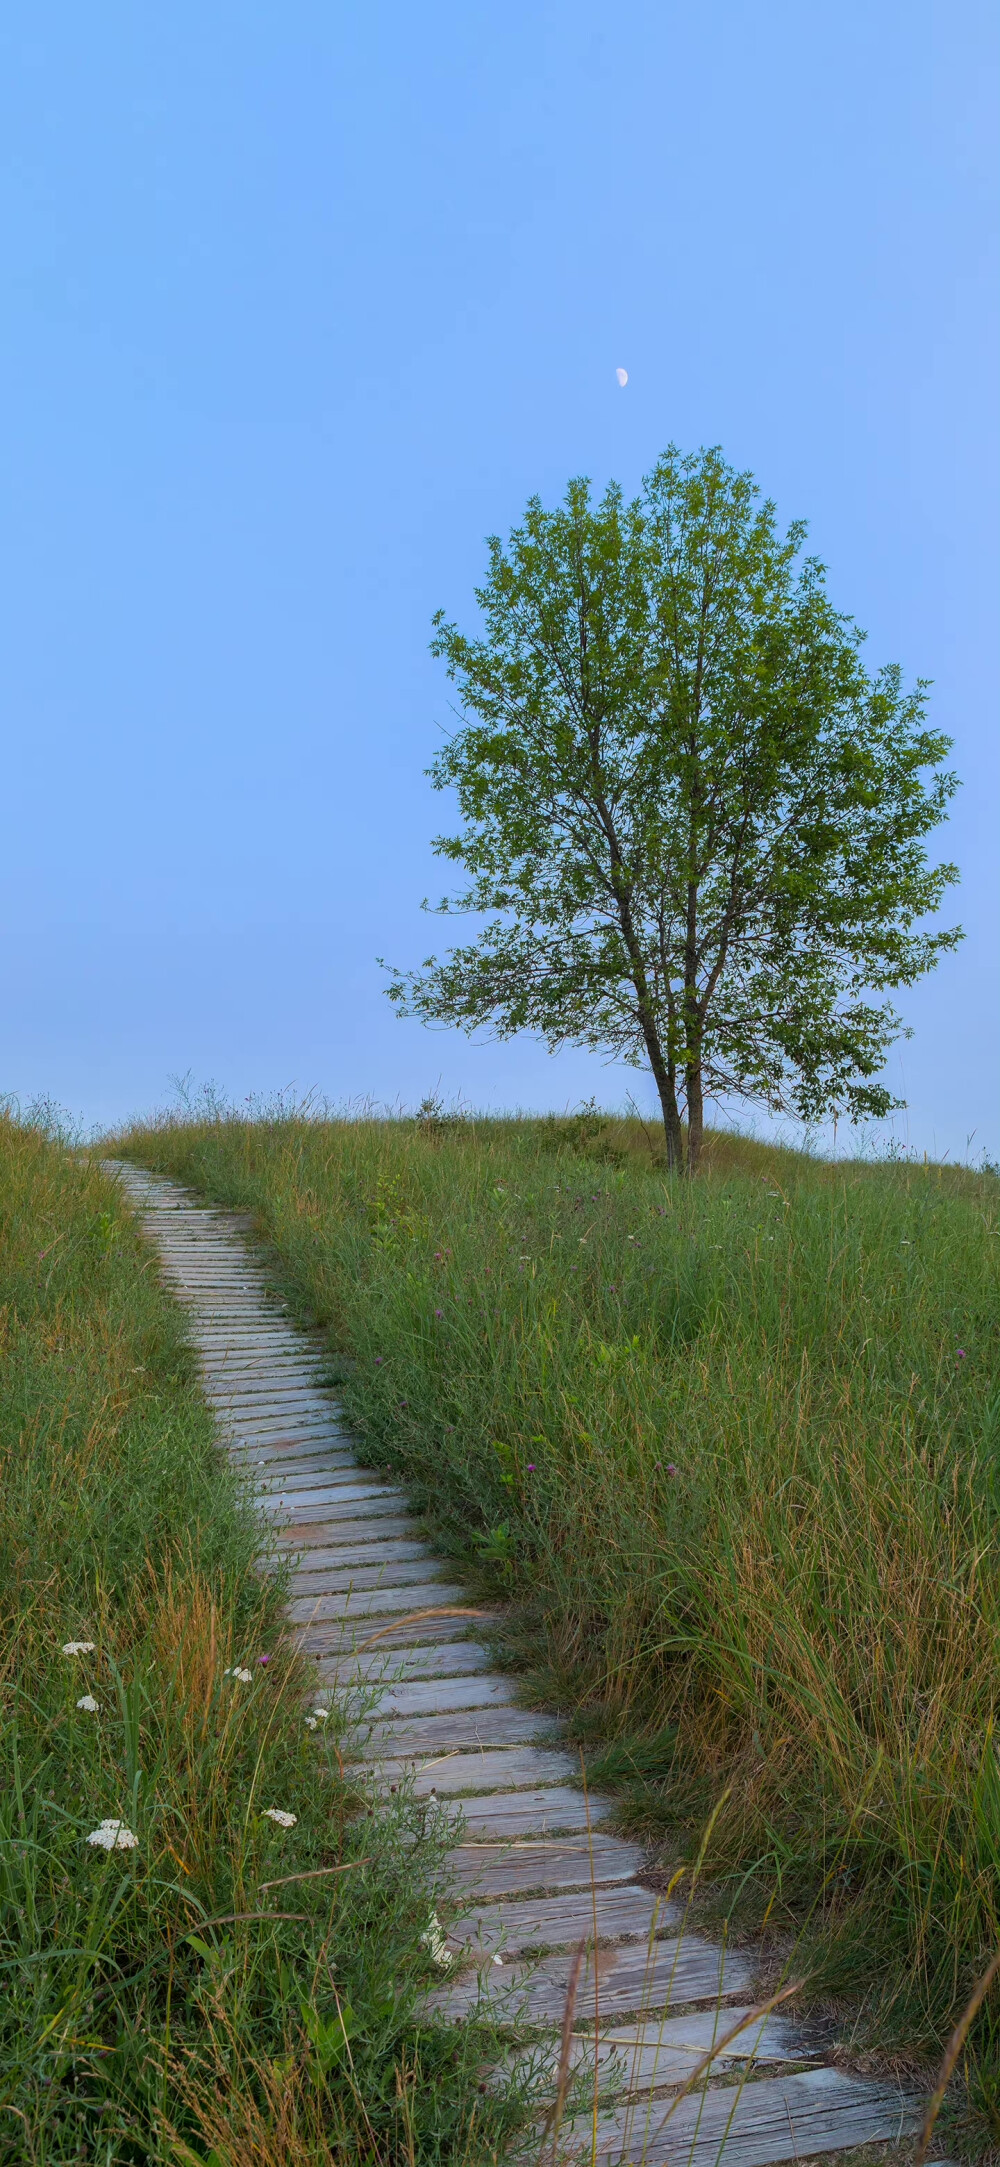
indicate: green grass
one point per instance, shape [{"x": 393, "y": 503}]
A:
[
  {"x": 734, "y": 1446},
  {"x": 139, "y": 2019}
]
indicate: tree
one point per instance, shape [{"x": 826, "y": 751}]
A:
[{"x": 692, "y": 819}]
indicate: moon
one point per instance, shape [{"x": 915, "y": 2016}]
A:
[{"x": 622, "y": 375}]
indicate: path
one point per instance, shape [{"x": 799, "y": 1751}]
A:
[{"x": 538, "y": 1868}]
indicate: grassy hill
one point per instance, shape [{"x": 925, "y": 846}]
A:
[{"x": 735, "y": 1447}]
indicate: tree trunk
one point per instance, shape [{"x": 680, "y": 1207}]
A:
[
  {"x": 666, "y": 1085},
  {"x": 695, "y": 1114}
]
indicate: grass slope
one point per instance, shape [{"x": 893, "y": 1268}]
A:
[
  {"x": 735, "y": 1446},
  {"x": 166, "y": 2001}
]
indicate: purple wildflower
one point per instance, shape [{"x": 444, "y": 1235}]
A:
[
  {"x": 960, "y": 1354},
  {"x": 439, "y": 1312},
  {"x": 263, "y": 1659},
  {"x": 671, "y": 1469},
  {"x": 378, "y": 1361},
  {"x": 531, "y": 1467}
]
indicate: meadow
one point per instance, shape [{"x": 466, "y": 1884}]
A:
[
  {"x": 732, "y": 1444},
  {"x": 183, "y": 1977}
]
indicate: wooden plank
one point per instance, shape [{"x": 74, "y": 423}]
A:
[
  {"x": 237, "y": 1436},
  {"x": 519, "y": 1869},
  {"x": 395, "y": 1661},
  {"x": 459, "y": 1729},
  {"x": 278, "y": 1452},
  {"x": 291, "y": 1453},
  {"x": 423, "y": 1571},
  {"x": 438, "y": 1695},
  {"x": 328, "y": 1638},
  {"x": 522, "y": 1768},
  {"x": 227, "y": 1366},
  {"x": 326, "y": 1493},
  {"x": 370, "y": 1603},
  {"x": 342, "y": 1556},
  {"x": 270, "y": 1327},
  {"x": 634, "y": 2058},
  {"x": 297, "y": 1467},
  {"x": 280, "y": 1418},
  {"x": 776, "y": 2118},
  {"x": 545, "y": 1812},
  {"x": 263, "y": 1405},
  {"x": 271, "y": 1428},
  {"x": 304, "y": 1478},
  {"x": 369, "y": 1501},
  {"x": 559, "y": 1922},
  {"x": 625, "y": 1978},
  {"x": 355, "y": 1537},
  {"x": 367, "y": 1533}
]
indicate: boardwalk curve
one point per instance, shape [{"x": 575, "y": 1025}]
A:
[{"x": 539, "y": 1871}]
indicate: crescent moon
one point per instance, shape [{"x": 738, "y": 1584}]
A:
[{"x": 622, "y": 375}]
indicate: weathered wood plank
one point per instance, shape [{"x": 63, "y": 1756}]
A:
[
  {"x": 424, "y": 1571},
  {"x": 290, "y": 1452},
  {"x": 352, "y": 1538},
  {"x": 297, "y": 1400},
  {"x": 328, "y": 1639},
  {"x": 522, "y": 1768},
  {"x": 369, "y": 1603},
  {"x": 776, "y": 2118},
  {"x": 394, "y": 1664},
  {"x": 634, "y": 2058},
  {"x": 326, "y": 1493},
  {"x": 341, "y": 1557},
  {"x": 271, "y": 1429},
  {"x": 366, "y": 1531},
  {"x": 516, "y": 1869},
  {"x": 295, "y": 1466},
  {"x": 359, "y": 1501},
  {"x": 559, "y": 1922},
  {"x": 459, "y": 1729},
  {"x": 440, "y": 1694},
  {"x": 624, "y": 1978},
  {"x": 544, "y": 1812}
]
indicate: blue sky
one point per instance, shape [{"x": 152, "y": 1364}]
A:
[{"x": 302, "y": 302}]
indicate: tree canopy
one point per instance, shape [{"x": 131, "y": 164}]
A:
[{"x": 692, "y": 820}]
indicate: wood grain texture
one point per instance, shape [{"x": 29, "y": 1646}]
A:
[
  {"x": 395, "y": 1664},
  {"x": 625, "y": 1978},
  {"x": 457, "y": 1729},
  {"x": 777, "y": 2118},
  {"x": 524, "y": 1768},
  {"x": 517, "y": 1869},
  {"x": 560, "y": 1922},
  {"x": 543, "y": 1812}
]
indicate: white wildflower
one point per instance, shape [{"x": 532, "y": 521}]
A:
[
  {"x": 284, "y": 1820},
  {"x": 113, "y": 1836},
  {"x": 311, "y": 1723},
  {"x": 321, "y": 1714},
  {"x": 79, "y": 1647},
  {"x": 498, "y": 1960},
  {"x": 434, "y": 1942},
  {"x": 89, "y": 1703},
  {"x": 245, "y": 1676}
]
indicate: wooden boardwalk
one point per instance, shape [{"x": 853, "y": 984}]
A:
[{"x": 535, "y": 1866}]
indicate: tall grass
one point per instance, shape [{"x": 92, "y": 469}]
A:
[
  {"x": 735, "y": 1446},
  {"x": 190, "y": 1997}
]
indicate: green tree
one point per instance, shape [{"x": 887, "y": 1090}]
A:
[{"x": 693, "y": 821}]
